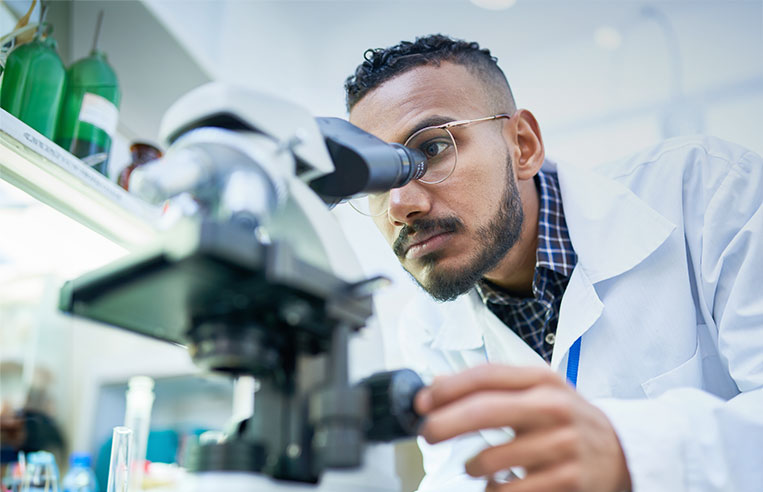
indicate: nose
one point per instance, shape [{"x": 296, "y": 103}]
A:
[{"x": 408, "y": 203}]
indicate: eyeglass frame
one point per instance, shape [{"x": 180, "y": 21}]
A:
[{"x": 444, "y": 126}]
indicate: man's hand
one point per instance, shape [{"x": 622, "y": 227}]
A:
[{"x": 564, "y": 442}]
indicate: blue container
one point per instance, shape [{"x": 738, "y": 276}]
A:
[{"x": 80, "y": 477}]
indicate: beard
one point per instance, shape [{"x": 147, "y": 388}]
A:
[{"x": 494, "y": 241}]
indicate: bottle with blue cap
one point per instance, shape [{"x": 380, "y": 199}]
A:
[{"x": 80, "y": 477}]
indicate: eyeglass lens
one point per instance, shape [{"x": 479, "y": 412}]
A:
[{"x": 438, "y": 146}]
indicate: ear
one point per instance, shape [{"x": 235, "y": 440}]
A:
[{"x": 528, "y": 152}]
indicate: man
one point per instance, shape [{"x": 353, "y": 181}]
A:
[{"x": 637, "y": 283}]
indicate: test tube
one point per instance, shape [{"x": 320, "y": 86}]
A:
[
  {"x": 119, "y": 467},
  {"x": 140, "y": 399}
]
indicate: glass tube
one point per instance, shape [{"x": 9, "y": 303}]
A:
[
  {"x": 119, "y": 467},
  {"x": 140, "y": 398}
]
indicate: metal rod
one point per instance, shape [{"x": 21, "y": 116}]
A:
[
  {"x": 43, "y": 14},
  {"x": 97, "y": 30},
  {"x": 339, "y": 360}
]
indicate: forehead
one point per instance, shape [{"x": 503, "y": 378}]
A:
[{"x": 397, "y": 107}]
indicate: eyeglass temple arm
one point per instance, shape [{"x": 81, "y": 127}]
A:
[{"x": 451, "y": 124}]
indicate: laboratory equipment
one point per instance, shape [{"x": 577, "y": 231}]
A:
[
  {"x": 119, "y": 464},
  {"x": 80, "y": 477},
  {"x": 33, "y": 82},
  {"x": 141, "y": 153},
  {"x": 140, "y": 399},
  {"x": 40, "y": 473},
  {"x": 261, "y": 282},
  {"x": 91, "y": 108},
  {"x": 363, "y": 163},
  {"x": 14, "y": 473}
]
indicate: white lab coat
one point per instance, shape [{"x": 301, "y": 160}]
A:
[{"x": 668, "y": 298}]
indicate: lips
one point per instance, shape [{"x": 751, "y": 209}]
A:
[
  {"x": 427, "y": 243},
  {"x": 423, "y": 235}
]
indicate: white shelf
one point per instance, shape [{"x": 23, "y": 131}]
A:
[{"x": 41, "y": 168}]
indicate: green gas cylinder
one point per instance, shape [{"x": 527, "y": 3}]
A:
[
  {"x": 90, "y": 109},
  {"x": 33, "y": 85}
]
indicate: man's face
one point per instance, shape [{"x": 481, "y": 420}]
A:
[{"x": 446, "y": 235}]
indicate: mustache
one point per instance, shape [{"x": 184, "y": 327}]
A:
[{"x": 425, "y": 226}]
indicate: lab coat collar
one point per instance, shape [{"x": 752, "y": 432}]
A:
[{"x": 612, "y": 230}]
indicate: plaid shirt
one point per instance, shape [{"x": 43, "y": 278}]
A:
[{"x": 534, "y": 318}]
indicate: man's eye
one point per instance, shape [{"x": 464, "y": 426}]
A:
[{"x": 434, "y": 148}]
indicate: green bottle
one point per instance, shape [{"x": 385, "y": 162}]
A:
[
  {"x": 33, "y": 84},
  {"x": 90, "y": 109}
]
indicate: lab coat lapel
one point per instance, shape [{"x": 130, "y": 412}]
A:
[
  {"x": 612, "y": 231},
  {"x": 580, "y": 309}
]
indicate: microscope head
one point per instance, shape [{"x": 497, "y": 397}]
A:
[{"x": 237, "y": 108}]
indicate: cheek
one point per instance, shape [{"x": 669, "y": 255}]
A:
[{"x": 475, "y": 189}]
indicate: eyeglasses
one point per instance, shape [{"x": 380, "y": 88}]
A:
[{"x": 439, "y": 146}]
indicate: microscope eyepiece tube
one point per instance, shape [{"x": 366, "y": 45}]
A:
[
  {"x": 412, "y": 161},
  {"x": 364, "y": 163}
]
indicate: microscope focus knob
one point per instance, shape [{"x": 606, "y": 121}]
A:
[{"x": 391, "y": 397}]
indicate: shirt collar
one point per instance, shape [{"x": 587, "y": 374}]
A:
[
  {"x": 612, "y": 228},
  {"x": 555, "y": 251}
]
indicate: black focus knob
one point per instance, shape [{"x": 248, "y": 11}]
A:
[{"x": 391, "y": 404}]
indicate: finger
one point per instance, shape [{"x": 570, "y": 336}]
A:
[
  {"x": 561, "y": 478},
  {"x": 533, "y": 451},
  {"x": 521, "y": 411},
  {"x": 446, "y": 389}
]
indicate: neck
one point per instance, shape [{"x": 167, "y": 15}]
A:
[{"x": 515, "y": 271}]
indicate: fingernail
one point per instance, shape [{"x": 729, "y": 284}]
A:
[{"x": 423, "y": 401}]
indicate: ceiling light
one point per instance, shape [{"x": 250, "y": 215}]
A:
[
  {"x": 608, "y": 38},
  {"x": 494, "y": 4}
]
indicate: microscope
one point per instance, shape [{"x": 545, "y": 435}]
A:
[{"x": 255, "y": 279}]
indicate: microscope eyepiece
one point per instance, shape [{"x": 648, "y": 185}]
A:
[
  {"x": 364, "y": 163},
  {"x": 412, "y": 161}
]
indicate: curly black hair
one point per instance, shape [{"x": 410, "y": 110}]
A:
[{"x": 382, "y": 64}]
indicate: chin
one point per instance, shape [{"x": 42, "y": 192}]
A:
[
  {"x": 440, "y": 268},
  {"x": 441, "y": 263}
]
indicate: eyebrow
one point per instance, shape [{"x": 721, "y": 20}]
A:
[{"x": 433, "y": 120}]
